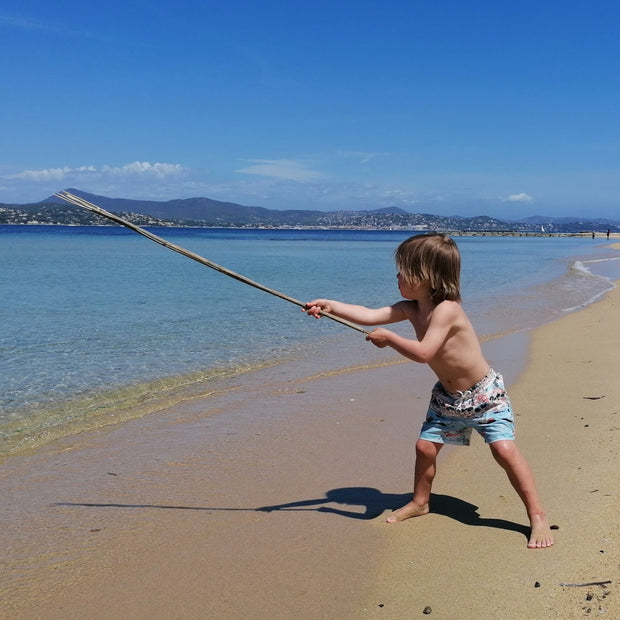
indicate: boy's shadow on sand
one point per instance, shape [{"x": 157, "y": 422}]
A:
[{"x": 374, "y": 503}]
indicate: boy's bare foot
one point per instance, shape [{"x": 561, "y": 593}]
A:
[
  {"x": 407, "y": 511},
  {"x": 540, "y": 536}
]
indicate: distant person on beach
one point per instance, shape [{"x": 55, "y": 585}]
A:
[
  {"x": 608, "y": 231},
  {"x": 469, "y": 394}
]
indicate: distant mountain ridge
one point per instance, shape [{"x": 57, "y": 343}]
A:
[
  {"x": 198, "y": 209},
  {"x": 206, "y": 212}
]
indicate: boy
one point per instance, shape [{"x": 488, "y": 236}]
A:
[{"x": 468, "y": 395}]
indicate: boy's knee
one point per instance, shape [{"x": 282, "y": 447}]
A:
[
  {"x": 503, "y": 450},
  {"x": 426, "y": 448}
]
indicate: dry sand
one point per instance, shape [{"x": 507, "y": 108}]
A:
[{"x": 157, "y": 518}]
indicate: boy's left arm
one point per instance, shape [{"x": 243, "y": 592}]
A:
[{"x": 423, "y": 351}]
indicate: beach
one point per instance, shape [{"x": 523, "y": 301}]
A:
[{"x": 270, "y": 500}]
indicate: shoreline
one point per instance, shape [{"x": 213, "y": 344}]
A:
[
  {"x": 219, "y": 384},
  {"x": 452, "y": 233},
  {"x": 39, "y": 409},
  {"x": 160, "y": 517}
]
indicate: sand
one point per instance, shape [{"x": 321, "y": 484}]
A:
[{"x": 269, "y": 502}]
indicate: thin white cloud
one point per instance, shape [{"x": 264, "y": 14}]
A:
[
  {"x": 135, "y": 169},
  {"x": 21, "y": 23},
  {"x": 50, "y": 174},
  {"x": 28, "y": 24},
  {"x": 362, "y": 156},
  {"x": 157, "y": 169},
  {"x": 522, "y": 197},
  {"x": 288, "y": 169}
]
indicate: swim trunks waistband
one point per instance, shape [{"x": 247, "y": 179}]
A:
[
  {"x": 487, "y": 395},
  {"x": 480, "y": 385}
]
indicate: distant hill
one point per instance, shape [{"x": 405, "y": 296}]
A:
[{"x": 206, "y": 212}]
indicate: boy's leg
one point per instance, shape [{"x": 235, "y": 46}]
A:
[
  {"x": 425, "y": 468},
  {"x": 520, "y": 475}
]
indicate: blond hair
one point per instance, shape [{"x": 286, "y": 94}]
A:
[{"x": 434, "y": 259}]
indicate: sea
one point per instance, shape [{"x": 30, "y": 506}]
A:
[{"x": 101, "y": 325}]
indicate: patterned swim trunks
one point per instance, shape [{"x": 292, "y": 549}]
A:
[{"x": 485, "y": 407}]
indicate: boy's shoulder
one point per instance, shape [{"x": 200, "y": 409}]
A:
[
  {"x": 449, "y": 305},
  {"x": 449, "y": 310}
]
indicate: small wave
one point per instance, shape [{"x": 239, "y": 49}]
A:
[
  {"x": 592, "y": 285},
  {"x": 608, "y": 268},
  {"x": 592, "y": 299},
  {"x": 579, "y": 267}
]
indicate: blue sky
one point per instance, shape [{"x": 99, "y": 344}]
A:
[{"x": 461, "y": 107}]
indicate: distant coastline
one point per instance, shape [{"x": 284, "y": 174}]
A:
[
  {"x": 208, "y": 213},
  {"x": 136, "y": 219}
]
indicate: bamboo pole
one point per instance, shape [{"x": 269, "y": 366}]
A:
[{"x": 80, "y": 202}]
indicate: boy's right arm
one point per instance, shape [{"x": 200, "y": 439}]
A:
[{"x": 357, "y": 314}]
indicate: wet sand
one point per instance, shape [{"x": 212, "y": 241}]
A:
[{"x": 270, "y": 500}]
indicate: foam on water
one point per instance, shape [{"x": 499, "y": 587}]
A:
[{"x": 596, "y": 277}]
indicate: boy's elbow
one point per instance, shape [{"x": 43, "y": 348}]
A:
[
  {"x": 421, "y": 358},
  {"x": 421, "y": 355}
]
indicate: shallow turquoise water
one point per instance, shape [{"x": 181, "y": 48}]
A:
[{"x": 98, "y": 318}]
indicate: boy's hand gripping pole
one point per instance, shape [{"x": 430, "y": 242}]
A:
[{"x": 80, "y": 202}]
